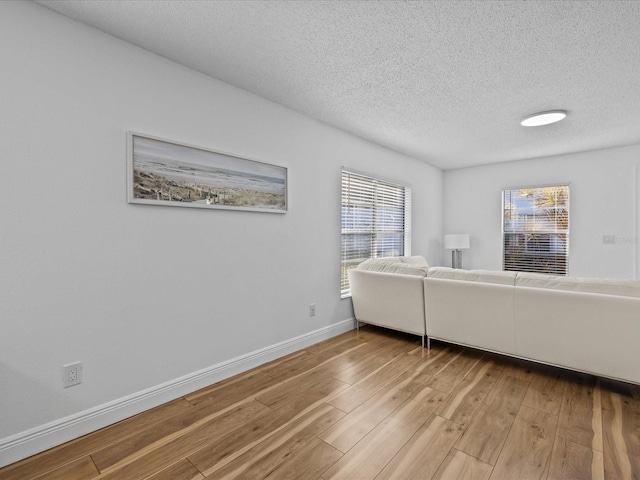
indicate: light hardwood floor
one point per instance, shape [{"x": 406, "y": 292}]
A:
[{"x": 371, "y": 405}]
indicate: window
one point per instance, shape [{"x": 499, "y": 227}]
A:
[
  {"x": 536, "y": 229},
  {"x": 376, "y": 217}
]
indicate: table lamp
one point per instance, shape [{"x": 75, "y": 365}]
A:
[{"x": 456, "y": 243}]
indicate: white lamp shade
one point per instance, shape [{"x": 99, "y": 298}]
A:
[{"x": 459, "y": 241}]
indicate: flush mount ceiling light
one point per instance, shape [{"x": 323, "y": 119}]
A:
[{"x": 543, "y": 118}]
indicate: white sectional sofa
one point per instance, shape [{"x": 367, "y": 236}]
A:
[{"x": 584, "y": 324}]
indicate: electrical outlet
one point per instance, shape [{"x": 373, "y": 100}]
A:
[
  {"x": 312, "y": 310},
  {"x": 72, "y": 374}
]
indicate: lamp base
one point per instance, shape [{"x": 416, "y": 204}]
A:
[{"x": 456, "y": 259}]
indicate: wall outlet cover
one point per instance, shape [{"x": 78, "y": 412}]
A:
[{"x": 72, "y": 374}]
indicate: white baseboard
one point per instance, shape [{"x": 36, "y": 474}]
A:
[{"x": 43, "y": 437}]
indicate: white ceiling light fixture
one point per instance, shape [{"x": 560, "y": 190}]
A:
[{"x": 543, "y": 118}]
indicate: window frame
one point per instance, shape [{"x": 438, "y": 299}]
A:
[
  {"x": 387, "y": 190},
  {"x": 563, "y": 234}
]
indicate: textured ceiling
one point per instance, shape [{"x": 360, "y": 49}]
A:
[{"x": 446, "y": 82}]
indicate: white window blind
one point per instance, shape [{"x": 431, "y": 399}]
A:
[
  {"x": 536, "y": 229},
  {"x": 376, "y": 221}
]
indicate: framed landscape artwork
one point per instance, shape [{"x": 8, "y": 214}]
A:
[{"x": 162, "y": 172}]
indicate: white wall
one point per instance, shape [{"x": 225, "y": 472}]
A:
[
  {"x": 145, "y": 295},
  {"x": 637, "y": 237},
  {"x": 602, "y": 202}
]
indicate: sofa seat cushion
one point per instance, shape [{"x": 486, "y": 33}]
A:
[
  {"x": 626, "y": 288},
  {"x": 393, "y": 265}
]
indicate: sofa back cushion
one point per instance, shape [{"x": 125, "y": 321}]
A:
[
  {"x": 484, "y": 276},
  {"x": 493, "y": 276},
  {"x": 394, "y": 265},
  {"x": 626, "y": 288},
  {"x": 448, "y": 273},
  {"x": 417, "y": 260}
]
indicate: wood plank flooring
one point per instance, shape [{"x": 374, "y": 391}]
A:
[{"x": 371, "y": 405}]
